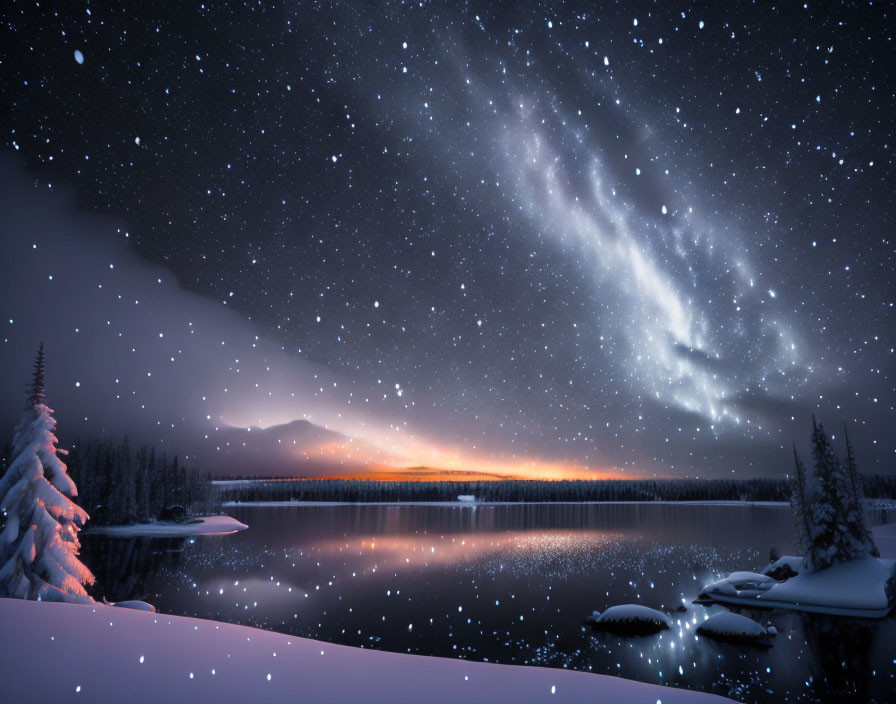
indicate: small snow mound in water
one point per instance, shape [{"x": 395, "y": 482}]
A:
[
  {"x": 731, "y": 626},
  {"x": 631, "y": 619},
  {"x": 136, "y": 605}
]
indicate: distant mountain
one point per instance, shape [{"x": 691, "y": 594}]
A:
[
  {"x": 302, "y": 449},
  {"x": 297, "y": 448}
]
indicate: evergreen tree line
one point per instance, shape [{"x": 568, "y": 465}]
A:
[
  {"x": 118, "y": 484},
  {"x": 877, "y": 486},
  {"x": 827, "y": 508}
]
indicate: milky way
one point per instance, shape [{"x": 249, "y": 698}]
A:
[{"x": 646, "y": 238}]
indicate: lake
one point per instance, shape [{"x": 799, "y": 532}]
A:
[{"x": 510, "y": 584}]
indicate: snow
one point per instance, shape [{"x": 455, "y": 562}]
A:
[
  {"x": 631, "y": 618},
  {"x": 157, "y": 658},
  {"x": 207, "y": 525},
  {"x": 731, "y": 626},
  {"x": 858, "y": 584},
  {"x": 854, "y": 588}
]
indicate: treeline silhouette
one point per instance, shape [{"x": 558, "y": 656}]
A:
[
  {"x": 876, "y": 486},
  {"x": 118, "y": 484}
]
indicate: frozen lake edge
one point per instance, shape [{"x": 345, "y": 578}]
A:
[{"x": 204, "y": 525}]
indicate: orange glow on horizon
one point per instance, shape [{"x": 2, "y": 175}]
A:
[
  {"x": 530, "y": 471},
  {"x": 394, "y": 454}
]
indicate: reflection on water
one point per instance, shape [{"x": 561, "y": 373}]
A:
[{"x": 509, "y": 584}]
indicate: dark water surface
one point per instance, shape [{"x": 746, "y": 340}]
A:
[{"x": 510, "y": 584}]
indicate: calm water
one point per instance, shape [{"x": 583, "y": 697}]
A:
[{"x": 510, "y": 584}]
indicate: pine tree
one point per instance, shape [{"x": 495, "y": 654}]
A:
[
  {"x": 142, "y": 485},
  {"x": 164, "y": 476},
  {"x": 799, "y": 510},
  {"x": 39, "y": 542},
  {"x": 155, "y": 490},
  {"x": 181, "y": 484},
  {"x": 858, "y": 520},
  {"x": 832, "y": 507},
  {"x": 827, "y": 508},
  {"x": 127, "y": 476}
]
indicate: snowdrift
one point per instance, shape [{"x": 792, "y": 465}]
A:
[{"x": 142, "y": 657}]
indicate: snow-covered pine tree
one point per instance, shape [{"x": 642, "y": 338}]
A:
[
  {"x": 832, "y": 541},
  {"x": 858, "y": 519},
  {"x": 799, "y": 510},
  {"x": 824, "y": 506},
  {"x": 39, "y": 542}
]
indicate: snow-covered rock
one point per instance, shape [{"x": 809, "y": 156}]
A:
[
  {"x": 720, "y": 588},
  {"x": 784, "y": 568},
  {"x": 734, "y": 627},
  {"x": 630, "y": 619},
  {"x": 145, "y": 658}
]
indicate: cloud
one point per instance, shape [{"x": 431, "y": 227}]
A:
[{"x": 130, "y": 351}]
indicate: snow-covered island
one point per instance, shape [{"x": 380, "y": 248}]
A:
[
  {"x": 862, "y": 587},
  {"x": 842, "y": 571},
  {"x": 205, "y": 525},
  {"x": 145, "y": 657}
]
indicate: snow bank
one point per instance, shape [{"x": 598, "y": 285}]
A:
[
  {"x": 855, "y": 588},
  {"x": 859, "y": 585},
  {"x": 733, "y": 627},
  {"x": 630, "y": 619},
  {"x": 208, "y": 525},
  {"x": 141, "y": 657}
]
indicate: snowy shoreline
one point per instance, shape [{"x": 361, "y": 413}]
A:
[
  {"x": 205, "y": 525},
  {"x": 145, "y": 657},
  {"x": 856, "y": 588}
]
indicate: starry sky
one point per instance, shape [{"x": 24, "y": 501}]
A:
[{"x": 526, "y": 239}]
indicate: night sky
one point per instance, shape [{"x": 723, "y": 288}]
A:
[{"x": 545, "y": 240}]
